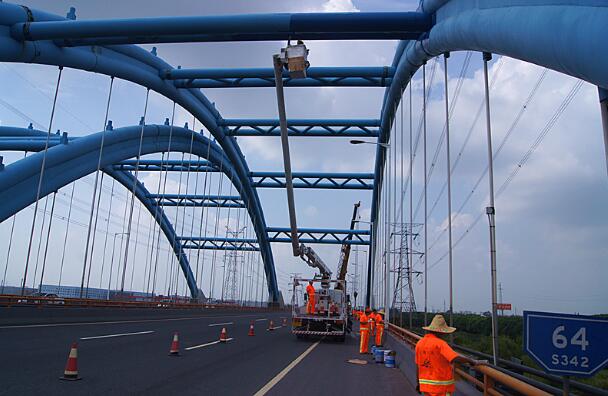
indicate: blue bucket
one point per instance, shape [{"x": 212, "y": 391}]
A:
[
  {"x": 389, "y": 359},
  {"x": 373, "y": 350},
  {"x": 379, "y": 355}
]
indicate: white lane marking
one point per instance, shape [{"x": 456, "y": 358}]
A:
[
  {"x": 117, "y": 335},
  {"x": 261, "y": 320},
  {"x": 220, "y": 324},
  {"x": 284, "y": 372},
  {"x": 123, "y": 321},
  {"x": 207, "y": 344}
]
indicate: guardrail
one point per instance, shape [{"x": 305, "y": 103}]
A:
[
  {"x": 40, "y": 301},
  {"x": 491, "y": 376}
]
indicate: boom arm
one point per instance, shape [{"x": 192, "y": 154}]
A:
[
  {"x": 345, "y": 251},
  {"x": 312, "y": 259}
]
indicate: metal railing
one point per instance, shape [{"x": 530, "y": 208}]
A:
[
  {"x": 43, "y": 301},
  {"x": 490, "y": 375}
]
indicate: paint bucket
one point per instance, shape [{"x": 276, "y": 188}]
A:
[
  {"x": 389, "y": 359},
  {"x": 373, "y": 350},
  {"x": 379, "y": 355}
]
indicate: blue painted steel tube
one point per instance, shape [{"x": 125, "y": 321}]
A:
[
  {"x": 310, "y": 241},
  {"x": 192, "y": 246},
  {"x": 320, "y": 230},
  {"x": 314, "y": 72},
  {"x": 316, "y": 26},
  {"x": 147, "y": 162},
  {"x": 561, "y": 36},
  {"x": 324, "y": 175},
  {"x": 136, "y": 65},
  {"x": 301, "y": 82},
  {"x": 301, "y": 122},
  {"x": 196, "y": 196},
  {"x": 68, "y": 162},
  {"x": 305, "y": 132}
]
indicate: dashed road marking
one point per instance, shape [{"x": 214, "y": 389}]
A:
[
  {"x": 207, "y": 344},
  {"x": 116, "y": 335},
  {"x": 220, "y": 324},
  {"x": 261, "y": 320},
  {"x": 122, "y": 321}
]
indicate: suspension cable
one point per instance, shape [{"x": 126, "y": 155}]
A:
[
  {"x": 217, "y": 214},
  {"x": 105, "y": 241},
  {"x": 141, "y": 140},
  {"x": 545, "y": 130},
  {"x": 44, "y": 213},
  {"x": 88, "y": 240},
  {"x": 67, "y": 231},
  {"x": 162, "y": 206},
  {"x": 204, "y": 216},
  {"x": 504, "y": 140},
  {"x": 46, "y": 243},
  {"x": 39, "y": 189}
]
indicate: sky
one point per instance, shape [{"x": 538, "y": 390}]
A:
[{"x": 551, "y": 224}]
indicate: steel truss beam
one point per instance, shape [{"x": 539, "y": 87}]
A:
[
  {"x": 315, "y": 77},
  {"x": 216, "y": 243},
  {"x": 258, "y": 27},
  {"x": 208, "y": 201},
  {"x": 66, "y": 163},
  {"x": 337, "y": 181},
  {"x": 141, "y": 67},
  {"x": 319, "y": 128},
  {"x": 319, "y": 235},
  {"x": 170, "y": 165}
]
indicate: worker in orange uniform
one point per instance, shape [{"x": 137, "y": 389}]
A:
[
  {"x": 379, "y": 327},
  {"x": 364, "y": 331},
  {"x": 435, "y": 358},
  {"x": 372, "y": 322},
  {"x": 310, "y": 292}
]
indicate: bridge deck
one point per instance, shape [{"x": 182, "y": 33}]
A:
[{"x": 34, "y": 356}]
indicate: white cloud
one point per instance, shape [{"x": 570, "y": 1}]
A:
[{"x": 339, "y": 6}]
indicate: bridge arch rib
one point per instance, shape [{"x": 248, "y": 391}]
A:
[
  {"x": 134, "y": 64},
  {"x": 555, "y": 34},
  {"x": 66, "y": 163}
]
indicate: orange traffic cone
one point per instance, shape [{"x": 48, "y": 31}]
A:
[
  {"x": 71, "y": 367},
  {"x": 223, "y": 336},
  {"x": 174, "y": 351},
  {"x": 270, "y": 325},
  {"x": 251, "y": 332}
]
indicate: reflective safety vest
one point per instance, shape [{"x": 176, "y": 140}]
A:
[
  {"x": 434, "y": 359},
  {"x": 363, "y": 321}
]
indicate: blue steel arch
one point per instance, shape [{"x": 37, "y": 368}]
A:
[
  {"x": 134, "y": 64},
  {"x": 562, "y": 35},
  {"x": 71, "y": 161}
]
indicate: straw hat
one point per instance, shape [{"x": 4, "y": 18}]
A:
[
  {"x": 438, "y": 325},
  {"x": 381, "y": 312}
]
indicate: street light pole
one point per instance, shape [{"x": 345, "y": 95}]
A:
[{"x": 490, "y": 211}]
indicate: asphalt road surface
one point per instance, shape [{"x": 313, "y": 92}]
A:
[{"x": 131, "y": 357}]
